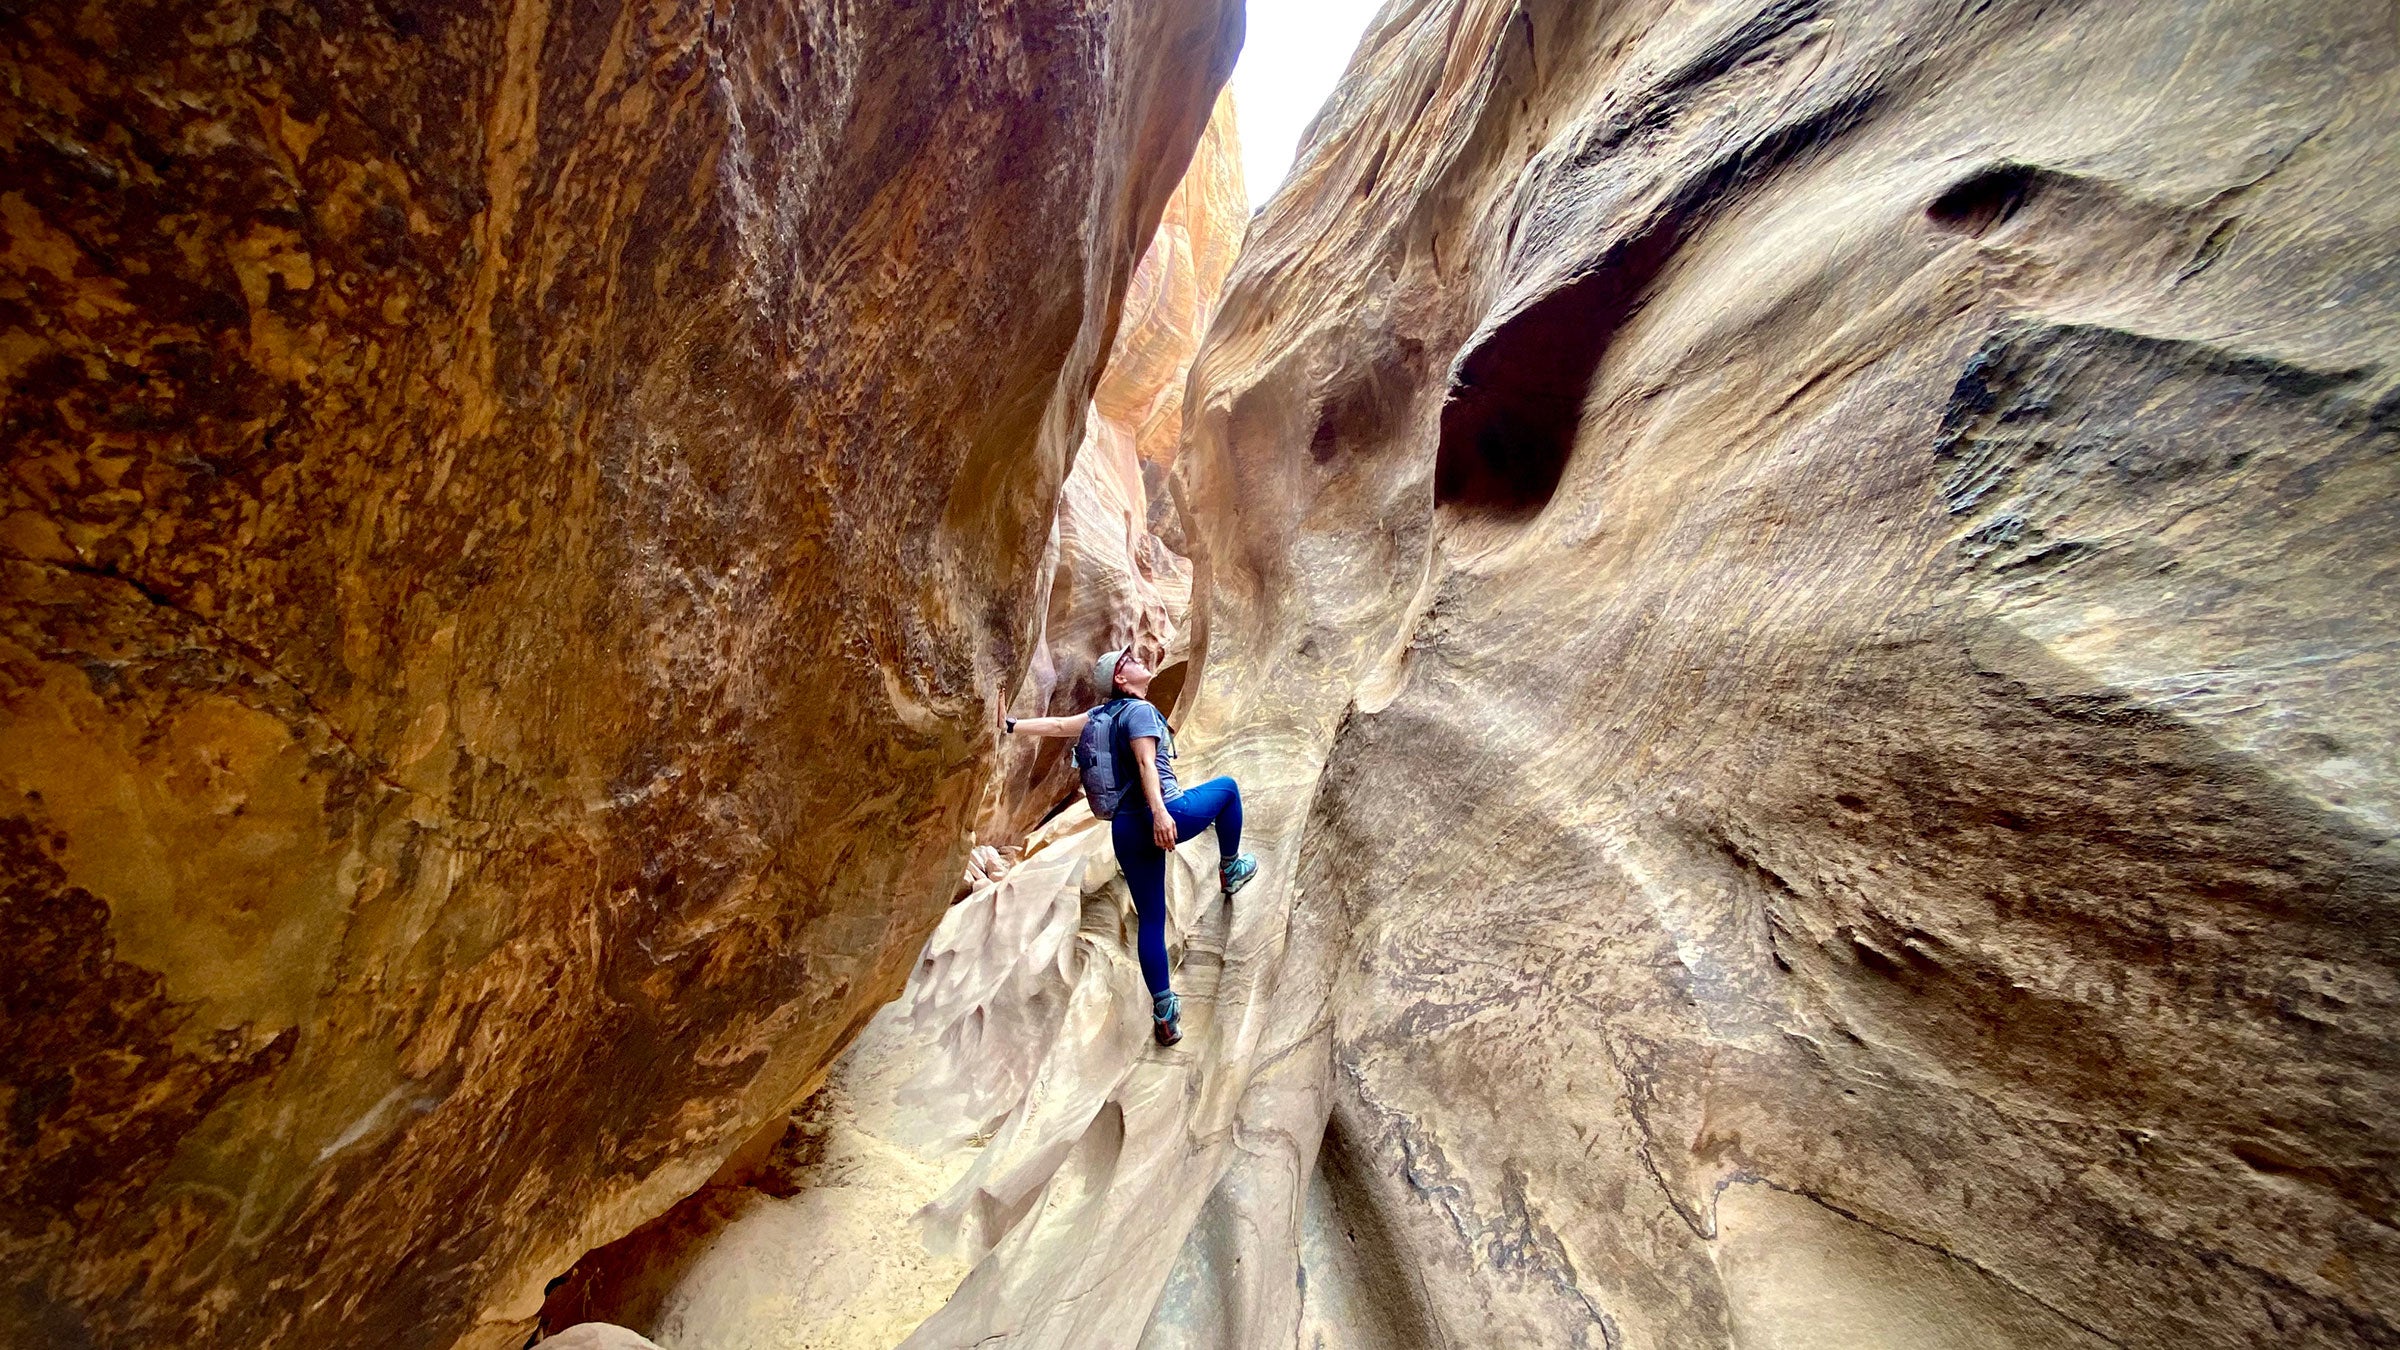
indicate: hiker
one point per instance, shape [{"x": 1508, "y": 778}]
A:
[{"x": 1149, "y": 815}]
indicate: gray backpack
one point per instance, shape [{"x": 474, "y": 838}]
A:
[{"x": 1105, "y": 758}]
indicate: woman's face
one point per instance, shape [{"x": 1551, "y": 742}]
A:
[{"x": 1133, "y": 674}]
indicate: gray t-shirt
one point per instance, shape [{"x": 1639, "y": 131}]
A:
[{"x": 1138, "y": 720}]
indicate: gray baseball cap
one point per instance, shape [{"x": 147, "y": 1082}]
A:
[{"x": 1104, "y": 672}]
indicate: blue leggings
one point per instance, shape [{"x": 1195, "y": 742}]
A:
[{"x": 1216, "y": 802}]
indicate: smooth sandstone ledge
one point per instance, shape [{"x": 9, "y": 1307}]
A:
[
  {"x": 599, "y": 1336},
  {"x": 1013, "y": 1082}
]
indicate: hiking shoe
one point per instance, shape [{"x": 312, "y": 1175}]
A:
[
  {"x": 1166, "y": 1018},
  {"x": 1235, "y": 873}
]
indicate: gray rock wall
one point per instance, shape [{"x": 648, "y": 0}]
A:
[{"x": 1838, "y": 561}]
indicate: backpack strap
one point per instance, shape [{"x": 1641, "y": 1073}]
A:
[
  {"x": 1123, "y": 733},
  {"x": 1120, "y": 741}
]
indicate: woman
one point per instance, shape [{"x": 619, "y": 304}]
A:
[{"x": 1165, "y": 814}]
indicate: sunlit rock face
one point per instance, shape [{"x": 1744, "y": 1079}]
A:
[
  {"x": 1112, "y": 574},
  {"x": 1828, "y": 571},
  {"x": 516, "y": 519}
]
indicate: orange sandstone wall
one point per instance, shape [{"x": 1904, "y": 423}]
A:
[{"x": 514, "y": 520}]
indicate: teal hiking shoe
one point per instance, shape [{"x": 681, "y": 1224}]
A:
[
  {"x": 1235, "y": 873},
  {"x": 1166, "y": 1018}
]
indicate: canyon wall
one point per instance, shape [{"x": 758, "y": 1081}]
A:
[
  {"x": 1112, "y": 574},
  {"x": 1829, "y": 568},
  {"x": 517, "y": 519}
]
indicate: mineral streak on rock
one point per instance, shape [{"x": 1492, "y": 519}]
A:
[
  {"x": 515, "y": 518},
  {"x": 1111, "y": 574},
  {"x": 1803, "y": 595}
]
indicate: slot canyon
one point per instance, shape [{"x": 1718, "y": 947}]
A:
[{"x": 1797, "y": 589}]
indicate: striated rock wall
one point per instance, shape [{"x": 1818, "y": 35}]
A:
[
  {"x": 1111, "y": 574},
  {"x": 514, "y": 520},
  {"x": 1837, "y": 560}
]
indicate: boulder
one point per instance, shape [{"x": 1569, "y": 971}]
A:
[{"x": 598, "y": 1336}]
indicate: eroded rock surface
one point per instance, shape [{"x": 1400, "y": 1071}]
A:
[
  {"x": 987, "y": 1116},
  {"x": 516, "y": 517},
  {"x": 1803, "y": 598}
]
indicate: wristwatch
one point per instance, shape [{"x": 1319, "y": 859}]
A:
[{"x": 1009, "y": 724}]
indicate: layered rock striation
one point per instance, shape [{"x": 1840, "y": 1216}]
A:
[{"x": 515, "y": 521}]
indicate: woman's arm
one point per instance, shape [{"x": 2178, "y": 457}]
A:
[
  {"x": 1049, "y": 726},
  {"x": 1162, "y": 825}
]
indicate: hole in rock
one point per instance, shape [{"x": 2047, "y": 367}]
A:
[
  {"x": 1516, "y": 400},
  {"x": 1374, "y": 173},
  {"x": 1349, "y": 1198},
  {"x": 1975, "y": 204},
  {"x": 1166, "y": 687},
  {"x": 1327, "y": 440}
]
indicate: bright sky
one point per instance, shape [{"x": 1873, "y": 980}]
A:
[{"x": 1291, "y": 60}]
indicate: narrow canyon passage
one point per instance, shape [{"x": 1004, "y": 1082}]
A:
[
  {"x": 1806, "y": 630},
  {"x": 1802, "y": 594}
]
